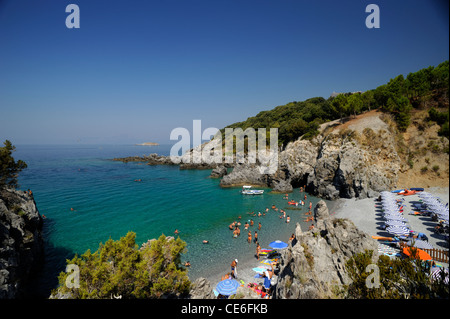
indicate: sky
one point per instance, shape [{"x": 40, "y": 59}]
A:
[{"x": 137, "y": 69}]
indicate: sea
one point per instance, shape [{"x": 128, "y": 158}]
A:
[{"x": 87, "y": 198}]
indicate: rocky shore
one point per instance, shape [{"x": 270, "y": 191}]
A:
[
  {"x": 21, "y": 249},
  {"x": 343, "y": 161},
  {"x": 312, "y": 266}
]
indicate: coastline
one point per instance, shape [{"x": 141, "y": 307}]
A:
[
  {"x": 247, "y": 260},
  {"x": 361, "y": 212},
  {"x": 365, "y": 216}
]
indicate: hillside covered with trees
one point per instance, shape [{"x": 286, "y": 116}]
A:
[{"x": 426, "y": 89}]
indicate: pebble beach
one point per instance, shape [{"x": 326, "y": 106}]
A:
[{"x": 366, "y": 216}]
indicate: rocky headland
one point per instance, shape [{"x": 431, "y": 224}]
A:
[
  {"x": 355, "y": 159},
  {"x": 21, "y": 249}
]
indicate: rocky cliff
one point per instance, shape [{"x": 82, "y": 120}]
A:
[
  {"x": 356, "y": 159},
  {"x": 21, "y": 248},
  {"x": 344, "y": 164},
  {"x": 313, "y": 266}
]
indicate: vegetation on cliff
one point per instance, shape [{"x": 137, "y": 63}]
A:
[
  {"x": 399, "y": 97},
  {"x": 9, "y": 168},
  {"x": 398, "y": 279},
  {"x": 119, "y": 269}
]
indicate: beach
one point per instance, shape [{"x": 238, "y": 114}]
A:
[{"x": 365, "y": 215}]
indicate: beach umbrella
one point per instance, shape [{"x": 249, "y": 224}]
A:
[
  {"x": 417, "y": 253},
  {"x": 419, "y": 244},
  {"x": 393, "y": 217},
  {"x": 440, "y": 273},
  {"x": 395, "y": 230},
  {"x": 227, "y": 287},
  {"x": 395, "y": 223},
  {"x": 278, "y": 244}
]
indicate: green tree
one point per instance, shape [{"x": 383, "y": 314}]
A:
[
  {"x": 120, "y": 268},
  {"x": 368, "y": 99},
  {"x": 401, "y": 108},
  {"x": 440, "y": 76},
  {"x": 354, "y": 104},
  {"x": 339, "y": 104},
  {"x": 397, "y": 86},
  {"x": 9, "y": 168},
  {"x": 420, "y": 82}
]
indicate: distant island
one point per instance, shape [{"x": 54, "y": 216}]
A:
[{"x": 148, "y": 144}]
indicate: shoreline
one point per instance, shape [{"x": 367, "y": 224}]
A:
[
  {"x": 365, "y": 215},
  {"x": 361, "y": 212},
  {"x": 247, "y": 260}
]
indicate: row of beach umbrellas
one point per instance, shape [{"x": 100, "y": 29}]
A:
[
  {"x": 394, "y": 220},
  {"x": 435, "y": 206}
]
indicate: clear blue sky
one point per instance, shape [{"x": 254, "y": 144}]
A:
[{"x": 137, "y": 69}]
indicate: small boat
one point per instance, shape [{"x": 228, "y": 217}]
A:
[
  {"x": 408, "y": 192},
  {"x": 246, "y": 190},
  {"x": 417, "y": 189},
  {"x": 383, "y": 238}
]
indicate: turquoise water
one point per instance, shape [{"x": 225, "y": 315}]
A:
[{"x": 108, "y": 203}]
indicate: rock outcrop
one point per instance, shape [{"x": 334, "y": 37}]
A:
[
  {"x": 21, "y": 243},
  {"x": 201, "y": 289},
  {"x": 218, "y": 172},
  {"x": 342, "y": 165},
  {"x": 313, "y": 266},
  {"x": 352, "y": 160},
  {"x": 152, "y": 159}
]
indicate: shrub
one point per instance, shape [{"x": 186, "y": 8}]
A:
[
  {"x": 119, "y": 268},
  {"x": 399, "y": 278},
  {"x": 9, "y": 168}
]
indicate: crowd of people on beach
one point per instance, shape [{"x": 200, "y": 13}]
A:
[{"x": 264, "y": 289}]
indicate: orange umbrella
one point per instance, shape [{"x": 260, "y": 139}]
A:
[{"x": 416, "y": 253}]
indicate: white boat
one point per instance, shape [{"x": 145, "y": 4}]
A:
[{"x": 246, "y": 190}]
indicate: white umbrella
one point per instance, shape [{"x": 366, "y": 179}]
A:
[
  {"x": 439, "y": 273},
  {"x": 397, "y": 230},
  {"x": 421, "y": 244},
  {"x": 394, "y": 217},
  {"x": 395, "y": 223}
]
